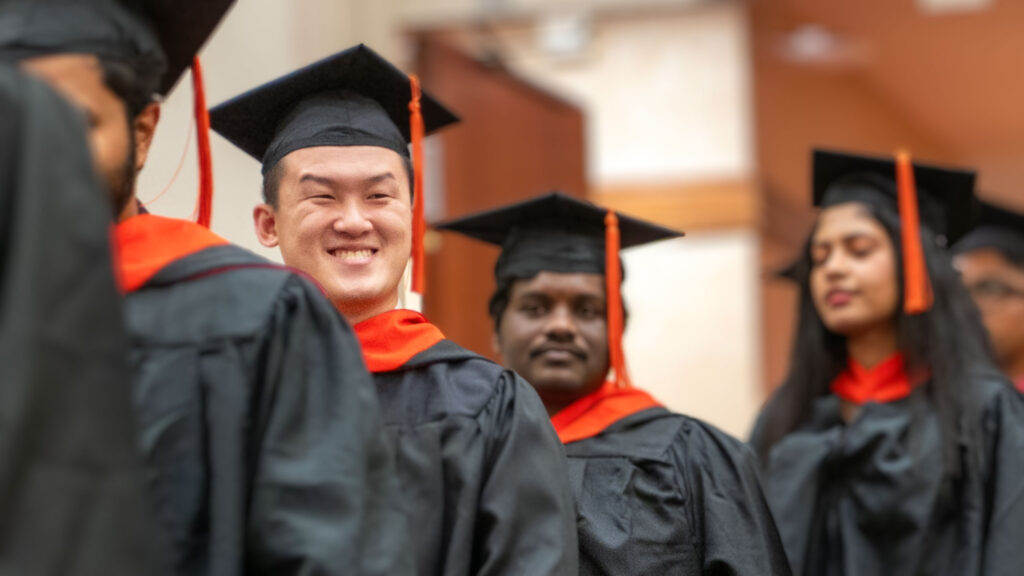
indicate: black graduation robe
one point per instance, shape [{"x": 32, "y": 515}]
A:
[
  {"x": 73, "y": 497},
  {"x": 483, "y": 475},
  {"x": 870, "y": 497},
  {"x": 259, "y": 421},
  {"x": 663, "y": 493}
]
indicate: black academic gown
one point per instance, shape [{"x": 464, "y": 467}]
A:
[
  {"x": 73, "y": 497},
  {"x": 483, "y": 474},
  {"x": 664, "y": 494},
  {"x": 870, "y": 497},
  {"x": 260, "y": 422}
]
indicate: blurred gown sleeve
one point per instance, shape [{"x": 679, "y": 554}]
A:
[
  {"x": 73, "y": 494},
  {"x": 730, "y": 515},
  {"x": 1004, "y": 427},
  {"x": 527, "y": 518},
  {"x": 325, "y": 492}
]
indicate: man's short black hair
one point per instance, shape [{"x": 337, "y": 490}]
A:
[
  {"x": 499, "y": 302},
  {"x": 272, "y": 182},
  {"x": 133, "y": 89}
]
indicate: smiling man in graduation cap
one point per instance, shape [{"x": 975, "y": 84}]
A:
[
  {"x": 483, "y": 475},
  {"x": 656, "y": 492},
  {"x": 258, "y": 419},
  {"x": 991, "y": 260}
]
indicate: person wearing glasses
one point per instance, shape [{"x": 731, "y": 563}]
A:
[{"x": 991, "y": 262}]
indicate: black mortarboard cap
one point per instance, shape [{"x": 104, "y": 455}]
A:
[
  {"x": 554, "y": 233},
  {"x": 353, "y": 98},
  {"x": 945, "y": 196},
  {"x": 998, "y": 228},
  {"x": 157, "y": 39}
]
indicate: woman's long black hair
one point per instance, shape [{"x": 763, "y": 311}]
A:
[{"x": 948, "y": 340}]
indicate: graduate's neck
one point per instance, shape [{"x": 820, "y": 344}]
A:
[
  {"x": 355, "y": 311},
  {"x": 870, "y": 347},
  {"x": 130, "y": 210},
  {"x": 557, "y": 399},
  {"x": 555, "y": 406}
]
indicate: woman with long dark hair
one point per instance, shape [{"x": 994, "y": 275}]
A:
[{"x": 894, "y": 446}]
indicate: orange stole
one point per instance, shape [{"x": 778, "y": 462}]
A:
[
  {"x": 592, "y": 414},
  {"x": 145, "y": 244},
  {"x": 886, "y": 382},
  {"x": 391, "y": 339}
]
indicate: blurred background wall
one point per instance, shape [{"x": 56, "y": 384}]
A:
[{"x": 697, "y": 114}]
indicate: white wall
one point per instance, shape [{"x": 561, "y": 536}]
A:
[
  {"x": 690, "y": 340},
  {"x": 667, "y": 94},
  {"x": 447, "y": 12}
]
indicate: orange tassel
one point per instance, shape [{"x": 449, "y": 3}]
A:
[
  {"x": 613, "y": 279},
  {"x": 204, "y": 206},
  {"x": 419, "y": 227},
  {"x": 917, "y": 286}
]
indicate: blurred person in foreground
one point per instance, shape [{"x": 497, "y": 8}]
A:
[
  {"x": 991, "y": 262},
  {"x": 656, "y": 492},
  {"x": 483, "y": 476},
  {"x": 894, "y": 445},
  {"x": 73, "y": 497},
  {"x": 257, "y": 417}
]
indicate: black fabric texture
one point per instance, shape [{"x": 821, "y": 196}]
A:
[
  {"x": 871, "y": 497},
  {"x": 663, "y": 493},
  {"x": 73, "y": 498},
  {"x": 482, "y": 471},
  {"x": 260, "y": 424}
]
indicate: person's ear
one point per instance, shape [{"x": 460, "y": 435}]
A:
[
  {"x": 264, "y": 219},
  {"x": 144, "y": 127}
]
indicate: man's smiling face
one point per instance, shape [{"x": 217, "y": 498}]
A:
[{"x": 344, "y": 216}]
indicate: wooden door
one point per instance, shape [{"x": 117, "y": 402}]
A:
[{"x": 515, "y": 141}]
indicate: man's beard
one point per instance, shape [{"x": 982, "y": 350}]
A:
[{"x": 121, "y": 183}]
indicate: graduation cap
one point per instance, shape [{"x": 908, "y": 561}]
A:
[
  {"x": 998, "y": 228},
  {"x": 156, "y": 39},
  {"x": 353, "y": 98},
  {"x": 558, "y": 233},
  {"x": 940, "y": 198}
]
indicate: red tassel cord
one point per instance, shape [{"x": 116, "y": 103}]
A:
[
  {"x": 613, "y": 281},
  {"x": 917, "y": 296},
  {"x": 204, "y": 207},
  {"x": 419, "y": 227}
]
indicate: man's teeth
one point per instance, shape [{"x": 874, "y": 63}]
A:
[{"x": 353, "y": 254}]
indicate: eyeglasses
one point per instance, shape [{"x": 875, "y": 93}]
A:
[{"x": 994, "y": 291}]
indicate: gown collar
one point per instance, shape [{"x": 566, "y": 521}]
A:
[{"x": 145, "y": 244}]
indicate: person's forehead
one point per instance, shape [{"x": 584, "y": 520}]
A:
[
  {"x": 342, "y": 163},
  {"x": 984, "y": 260},
  {"x": 71, "y": 64},
  {"x": 78, "y": 77},
  {"x": 842, "y": 220},
  {"x": 562, "y": 284}
]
